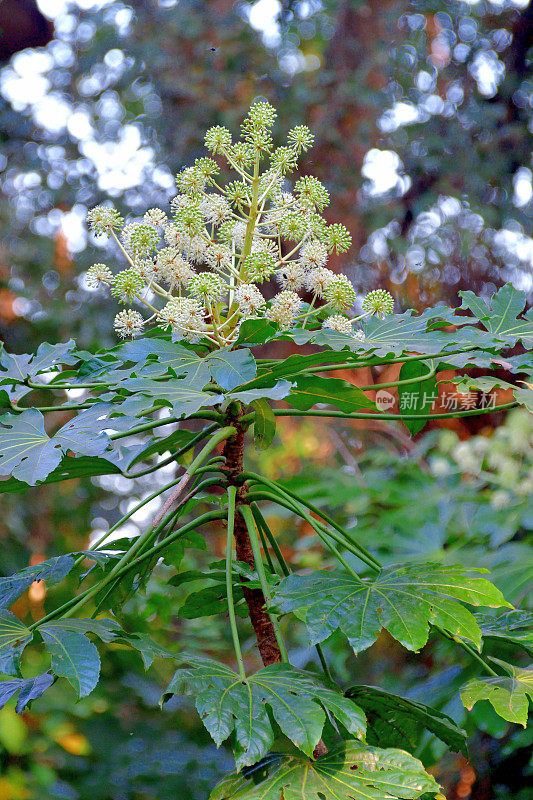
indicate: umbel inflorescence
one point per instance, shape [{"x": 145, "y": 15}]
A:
[{"x": 200, "y": 272}]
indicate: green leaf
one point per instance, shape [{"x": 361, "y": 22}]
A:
[
  {"x": 168, "y": 356},
  {"x": 147, "y": 648},
  {"x": 501, "y": 317},
  {"x": 184, "y": 398},
  {"x": 416, "y": 398},
  {"x": 403, "y": 599},
  {"x": 264, "y": 424},
  {"x": 230, "y": 368},
  {"x": 29, "y": 689},
  {"x": 51, "y": 571},
  {"x": 74, "y": 657},
  {"x": 26, "y": 450},
  {"x": 310, "y": 390},
  {"x": 228, "y": 704},
  {"x": 397, "y": 722},
  {"x": 351, "y": 771},
  {"x": 255, "y": 331},
  {"x": 279, "y": 391},
  {"x": 514, "y": 626},
  {"x": 68, "y": 468},
  {"x": 507, "y": 695},
  {"x": 14, "y": 636},
  {"x": 208, "y": 601}
]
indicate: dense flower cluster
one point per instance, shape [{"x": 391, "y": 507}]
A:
[{"x": 200, "y": 271}]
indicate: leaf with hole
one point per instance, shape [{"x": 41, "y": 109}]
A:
[{"x": 351, "y": 771}]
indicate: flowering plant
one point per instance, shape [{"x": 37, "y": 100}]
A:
[{"x": 205, "y": 291}]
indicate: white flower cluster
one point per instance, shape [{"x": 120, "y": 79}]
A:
[{"x": 200, "y": 272}]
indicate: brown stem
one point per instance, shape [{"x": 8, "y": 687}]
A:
[{"x": 264, "y": 630}]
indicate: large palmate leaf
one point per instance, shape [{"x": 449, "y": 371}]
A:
[
  {"x": 14, "y": 369},
  {"x": 310, "y": 390},
  {"x": 28, "y": 688},
  {"x": 184, "y": 398},
  {"x": 155, "y": 357},
  {"x": 74, "y": 657},
  {"x": 30, "y": 455},
  {"x": 502, "y": 316},
  {"x": 231, "y": 368},
  {"x": 51, "y": 572},
  {"x": 507, "y": 695},
  {"x": 230, "y": 705},
  {"x": 348, "y": 772},
  {"x": 67, "y": 469},
  {"x": 397, "y": 722},
  {"x": 14, "y": 636},
  {"x": 403, "y": 599}
]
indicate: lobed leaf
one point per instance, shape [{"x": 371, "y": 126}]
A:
[
  {"x": 404, "y": 600},
  {"x": 351, "y": 771},
  {"x": 507, "y": 695}
]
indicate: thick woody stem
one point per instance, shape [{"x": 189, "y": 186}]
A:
[{"x": 266, "y": 638}]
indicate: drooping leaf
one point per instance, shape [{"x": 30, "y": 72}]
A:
[
  {"x": 228, "y": 704},
  {"x": 502, "y": 316},
  {"x": 397, "y": 722},
  {"x": 184, "y": 398},
  {"x": 507, "y": 695},
  {"x": 310, "y": 390},
  {"x": 51, "y": 572},
  {"x": 230, "y": 368},
  {"x": 515, "y": 627},
  {"x": 14, "y": 636},
  {"x": 146, "y": 647},
  {"x": 417, "y": 397},
  {"x": 74, "y": 657},
  {"x": 349, "y": 772},
  {"x": 29, "y": 689},
  {"x": 68, "y": 468},
  {"x": 403, "y": 599},
  {"x": 264, "y": 424}
]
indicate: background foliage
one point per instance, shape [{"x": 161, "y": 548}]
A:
[{"x": 423, "y": 116}]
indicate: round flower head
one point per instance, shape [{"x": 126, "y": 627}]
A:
[
  {"x": 242, "y": 155},
  {"x": 285, "y": 159},
  {"x": 98, "y": 275},
  {"x": 291, "y": 276},
  {"x": 311, "y": 193},
  {"x": 379, "y": 302},
  {"x": 301, "y": 137},
  {"x": 127, "y": 285},
  {"x": 340, "y": 292},
  {"x": 104, "y": 219},
  {"x": 260, "y": 115},
  {"x": 179, "y": 311},
  {"x": 207, "y": 167},
  {"x": 338, "y": 238},
  {"x": 218, "y": 256},
  {"x": 191, "y": 180},
  {"x": 128, "y": 323},
  {"x": 338, "y": 323},
  {"x": 178, "y": 202},
  {"x": 155, "y": 217},
  {"x": 264, "y": 246},
  {"x": 284, "y": 309},
  {"x": 317, "y": 227},
  {"x": 318, "y": 280},
  {"x": 215, "y": 209},
  {"x": 359, "y": 335},
  {"x": 173, "y": 267},
  {"x": 218, "y": 139},
  {"x": 313, "y": 254},
  {"x": 145, "y": 269},
  {"x": 259, "y": 266},
  {"x": 237, "y": 192},
  {"x": 293, "y": 226},
  {"x": 249, "y": 299},
  {"x": 207, "y": 286},
  {"x": 190, "y": 220},
  {"x": 140, "y": 239}
]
